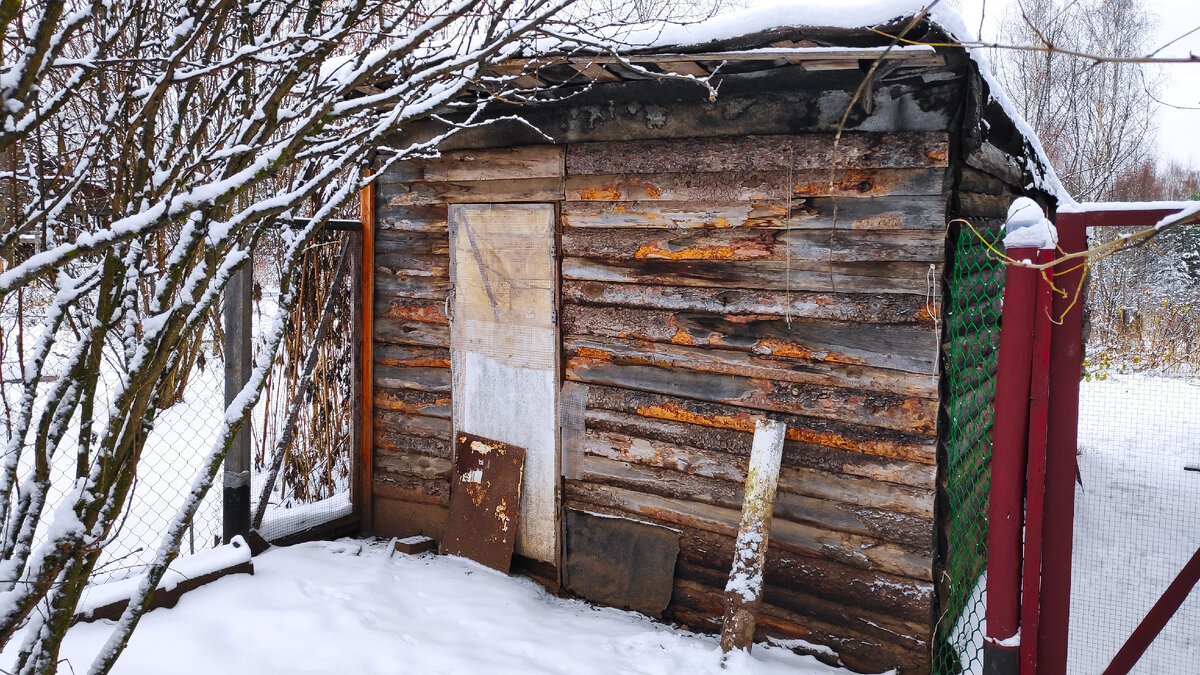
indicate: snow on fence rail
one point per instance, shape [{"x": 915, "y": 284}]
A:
[{"x": 313, "y": 486}]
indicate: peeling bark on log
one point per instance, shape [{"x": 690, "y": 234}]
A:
[{"x": 760, "y": 185}]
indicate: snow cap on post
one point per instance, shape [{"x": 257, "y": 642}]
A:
[{"x": 1027, "y": 226}]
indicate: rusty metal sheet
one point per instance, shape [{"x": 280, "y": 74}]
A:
[{"x": 485, "y": 501}]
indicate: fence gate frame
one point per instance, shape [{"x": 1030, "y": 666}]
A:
[{"x": 1032, "y": 495}]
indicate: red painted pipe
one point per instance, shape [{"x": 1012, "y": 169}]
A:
[
  {"x": 1035, "y": 487},
  {"x": 1156, "y": 618},
  {"x": 1006, "y": 495},
  {"x": 1066, "y": 367}
]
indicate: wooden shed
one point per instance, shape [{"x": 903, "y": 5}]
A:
[{"x": 623, "y": 290}]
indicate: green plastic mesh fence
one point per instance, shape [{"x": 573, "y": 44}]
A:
[{"x": 975, "y": 284}]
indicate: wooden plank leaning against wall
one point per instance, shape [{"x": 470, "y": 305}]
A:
[{"x": 677, "y": 316}]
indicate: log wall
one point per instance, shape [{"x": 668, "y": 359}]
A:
[{"x": 705, "y": 282}]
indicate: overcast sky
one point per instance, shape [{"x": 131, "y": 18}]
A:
[{"x": 1179, "y": 129}]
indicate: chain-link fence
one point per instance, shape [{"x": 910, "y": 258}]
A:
[
  {"x": 314, "y": 484},
  {"x": 1137, "y": 506},
  {"x": 975, "y": 285}
]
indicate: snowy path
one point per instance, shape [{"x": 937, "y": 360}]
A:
[
  {"x": 1137, "y": 519},
  {"x": 331, "y": 608}
]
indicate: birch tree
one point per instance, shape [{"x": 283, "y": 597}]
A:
[{"x": 148, "y": 146}]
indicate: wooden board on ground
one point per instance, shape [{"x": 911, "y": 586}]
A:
[{"x": 485, "y": 500}]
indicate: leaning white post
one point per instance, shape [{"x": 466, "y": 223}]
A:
[{"x": 743, "y": 593}]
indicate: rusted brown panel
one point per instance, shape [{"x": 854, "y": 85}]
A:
[
  {"x": 797, "y": 456},
  {"x": 485, "y": 501},
  {"x": 620, "y": 562},
  {"x": 413, "y": 402},
  {"x": 766, "y": 153},
  {"x": 425, "y": 243},
  {"x": 890, "y": 411},
  {"x": 389, "y": 464},
  {"x": 477, "y": 192},
  {"x": 803, "y": 213},
  {"x": 783, "y": 366},
  {"x": 850, "y": 490},
  {"x": 534, "y": 161},
  {"x": 390, "y": 421},
  {"x": 805, "y": 275},
  {"x": 412, "y": 489},
  {"x": 851, "y": 549},
  {"x": 856, "y": 307},
  {"x": 755, "y": 244},
  {"x": 390, "y": 441},
  {"x": 869, "y": 440},
  {"x": 412, "y": 309},
  {"x": 829, "y": 347},
  {"x": 407, "y": 332},
  {"x": 915, "y": 532},
  {"x": 401, "y": 217},
  {"x": 754, "y": 185}
]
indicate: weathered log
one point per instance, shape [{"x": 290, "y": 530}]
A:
[
  {"x": 857, "y": 550},
  {"x": 411, "y": 356},
  {"x": 980, "y": 205},
  {"x": 854, "y": 587},
  {"x": 890, "y": 411},
  {"x": 412, "y": 402},
  {"x": 412, "y": 264},
  {"x": 477, "y": 192},
  {"x": 797, "y": 275},
  {"x": 419, "y": 242},
  {"x": 806, "y": 213},
  {"x": 391, "y": 441},
  {"x": 411, "y": 309},
  {"x": 990, "y": 159},
  {"x": 755, "y": 244},
  {"x": 391, "y": 217},
  {"x": 390, "y": 421},
  {"x": 399, "y": 284},
  {"x": 738, "y": 186},
  {"x": 879, "y": 308},
  {"x": 911, "y": 531},
  {"x": 854, "y": 437},
  {"x": 434, "y": 379},
  {"x": 405, "y": 332},
  {"x": 411, "y": 489},
  {"x": 851, "y": 490},
  {"x": 530, "y": 161},
  {"x": 388, "y": 464},
  {"x": 760, "y": 153},
  {"x": 888, "y": 357}
]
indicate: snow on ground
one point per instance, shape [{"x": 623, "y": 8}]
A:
[
  {"x": 1137, "y": 519},
  {"x": 330, "y": 607}
]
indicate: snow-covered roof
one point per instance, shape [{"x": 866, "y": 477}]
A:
[{"x": 852, "y": 15}]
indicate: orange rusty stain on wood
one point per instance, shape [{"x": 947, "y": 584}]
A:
[
  {"x": 421, "y": 313},
  {"x": 652, "y": 191},
  {"x": 383, "y": 400},
  {"x": 929, "y": 314},
  {"x": 620, "y": 207},
  {"x": 682, "y": 337},
  {"x": 780, "y": 348},
  {"x": 749, "y": 318},
  {"x": 671, "y": 411},
  {"x": 938, "y": 155},
  {"x": 721, "y": 222},
  {"x": 601, "y": 194},
  {"x": 698, "y": 253},
  {"x": 593, "y": 353}
]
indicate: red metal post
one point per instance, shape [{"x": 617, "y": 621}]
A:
[
  {"x": 1035, "y": 488},
  {"x": 1156, "y": 618},
  {"x": 1007, "y": 491},
  {"x": 1066, "y": 367}
]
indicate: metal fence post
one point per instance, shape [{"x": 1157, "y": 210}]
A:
[
  {"x": 238, "y": 364},
  {"x": 1007, "y": 491}
]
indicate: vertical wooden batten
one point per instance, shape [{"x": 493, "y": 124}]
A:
[{"x": 367, "y": 358}]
